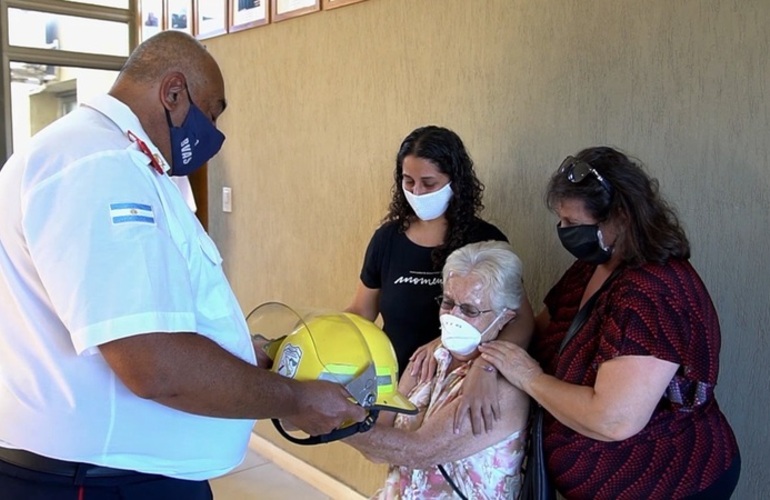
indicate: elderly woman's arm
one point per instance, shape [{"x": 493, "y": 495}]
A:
[
  {"x": 619, "y": 405},
  {"x": 435, "y": 442}
]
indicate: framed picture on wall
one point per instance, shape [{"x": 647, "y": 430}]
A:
[
  {"x": 180, "y": 15},
  {"x": 285, "y": 9},
  {"x": 246, "y": 14},
  {"x": 210, "y": 18},
  {"x": 333, "y": 4},
  {"x": 151, "y": 18}
]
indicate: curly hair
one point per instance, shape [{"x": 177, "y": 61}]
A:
[
  {"x": 650, "y": 228},
  {"x": 445, "y": 149}
]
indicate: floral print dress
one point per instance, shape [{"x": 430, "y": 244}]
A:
[{"x": 492, "y": 473}]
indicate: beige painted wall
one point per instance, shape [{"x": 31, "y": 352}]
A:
[{"x": 319, "y": 105}]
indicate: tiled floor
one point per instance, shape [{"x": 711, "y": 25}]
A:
[{"x": 258, "y": 478}]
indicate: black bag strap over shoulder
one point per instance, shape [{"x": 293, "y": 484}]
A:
[
  {"x": 536, "y": 484},
  {"x": 582, "y": 316}
]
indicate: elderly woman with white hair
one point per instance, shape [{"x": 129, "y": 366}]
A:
[{"x": 482, "y": 293}]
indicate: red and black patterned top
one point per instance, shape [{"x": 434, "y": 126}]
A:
[{"x": 653, "y": 310}]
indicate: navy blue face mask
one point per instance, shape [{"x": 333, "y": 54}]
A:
[
  {"x": 193, "y": 143},
  {"x": 585, "y": 243}
]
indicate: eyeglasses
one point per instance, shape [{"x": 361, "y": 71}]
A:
[
  {"x": 577, "y": 170},
  {"x": 468, "y": 310}
]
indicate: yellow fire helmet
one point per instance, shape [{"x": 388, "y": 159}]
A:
[{"x": 338, "y": 347}]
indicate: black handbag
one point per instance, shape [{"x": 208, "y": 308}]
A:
[{"x": 535, "y": 484}]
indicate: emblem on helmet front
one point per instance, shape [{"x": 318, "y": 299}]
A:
[{"x": 290, "y": 358}]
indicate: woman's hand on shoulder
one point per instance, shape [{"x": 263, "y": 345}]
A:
[
  {"x": 512, "y": 362},
  {"x": 422, "y": 364}
]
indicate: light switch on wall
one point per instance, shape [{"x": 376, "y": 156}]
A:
[{"x": 227, "y": 199}]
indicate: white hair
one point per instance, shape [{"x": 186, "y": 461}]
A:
[{"x": 497, "y": 268}]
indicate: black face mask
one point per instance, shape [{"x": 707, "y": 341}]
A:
[{"x": 585, "y": 243}]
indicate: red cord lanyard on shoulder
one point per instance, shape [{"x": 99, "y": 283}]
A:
[{"x": 146, "y": 150}]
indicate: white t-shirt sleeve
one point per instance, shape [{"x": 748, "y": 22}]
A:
[{"x": 98, "y": 235}]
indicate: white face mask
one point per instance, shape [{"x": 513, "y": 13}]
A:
[
  {"x": 459, "y": 336},
  {"x": 431, "y": 205}
]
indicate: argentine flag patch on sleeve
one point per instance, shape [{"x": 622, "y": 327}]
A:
[{"x": 131, "y": 212}]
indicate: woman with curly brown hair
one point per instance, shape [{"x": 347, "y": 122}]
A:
[{"x": 434, "y": 210}]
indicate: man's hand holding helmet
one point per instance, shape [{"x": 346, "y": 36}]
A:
[{"x": 324, "y": 406}]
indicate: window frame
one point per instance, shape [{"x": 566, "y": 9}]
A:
[{"x": 15, "y": 53}]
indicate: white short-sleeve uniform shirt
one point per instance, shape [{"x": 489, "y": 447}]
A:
[{"x": 96, "y": 245}]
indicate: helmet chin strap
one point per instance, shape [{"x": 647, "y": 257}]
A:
[
  {"x": 363, "y": 389},
  {"x": 334, "y": 435}
]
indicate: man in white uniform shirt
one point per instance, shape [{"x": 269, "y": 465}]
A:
[{"x": 126, "y": 366}]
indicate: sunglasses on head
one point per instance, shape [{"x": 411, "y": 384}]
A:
[{"x": 577, "y": 170}]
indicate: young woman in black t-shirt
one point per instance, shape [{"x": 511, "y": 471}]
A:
[{"x": 434, "y": 210}]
